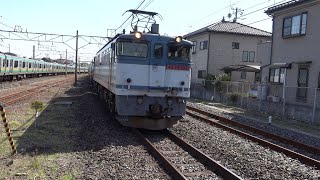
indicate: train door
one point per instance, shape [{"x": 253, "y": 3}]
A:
[
  {"x": 157, "y": 66},
  {"x": 11, "y": 66},
  {"x": 112, "y": 61},
  {"x": 6, "y": 64},
  {"x": 20, "y": 65}
]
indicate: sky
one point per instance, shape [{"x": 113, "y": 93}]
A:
[{"x": 95, "y": 17}]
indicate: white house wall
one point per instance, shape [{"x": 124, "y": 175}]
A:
[
  {"x": 199, "y": 58},
  {"x": 295, "y": 49},
  {"x": 222, "y": 54}
]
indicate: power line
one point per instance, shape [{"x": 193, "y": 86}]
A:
[
  {"x": 140, "y": 4},
  {"x": 262, "y": 8},
  {"x": 148, "y": 3},
  {"x": 216, "y": 21},
  {"x": 219, "y": 10},
  {"x": 256, "y": 5},
  {"x": 129, "y": 17}
]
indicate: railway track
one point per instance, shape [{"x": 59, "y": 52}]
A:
[
  {"x": 180, "y": 159},
  {"x": 17, "y": 96},
  {"x": 221, "y": 123}
]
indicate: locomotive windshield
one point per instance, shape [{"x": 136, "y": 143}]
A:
[
  {"x": 135, "y": 49},
  {"x": 179, "y": 52}
]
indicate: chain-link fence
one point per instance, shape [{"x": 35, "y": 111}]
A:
[{"x": 300, "y": 103}]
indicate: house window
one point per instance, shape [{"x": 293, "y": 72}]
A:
[
  {"x": 194, "y": 47},
  {"x": 202, "y": 74},
  {"x": 243, "y": 75},
  {"x": 235, "y": 45},
  {"x": 203, "y": 45},
  {"x": 251, "y": 56},
  {"x": 248, "y": 56},
  {"x": 295, "y": 25},
  {"x": 276, "y": 75},
  {"x": 245, "y": 56}
]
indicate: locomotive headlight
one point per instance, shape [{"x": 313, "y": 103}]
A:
[
  {"x": 170, "y": 102},
  {"x": 138, "y": 35},
  {"x": 178, "y": 39},
  {"x": 182, "y": 83},
  {"x": 129, "y": 80}
]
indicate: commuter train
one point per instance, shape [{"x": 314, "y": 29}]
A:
[
  {"x": 144, "y": 78},
  {"x": 16, "y": 67}
]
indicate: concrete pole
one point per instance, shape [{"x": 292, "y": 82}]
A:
[
  {"x": 314, "y": 105},
  {"x": 284, "y": 92},
  {"x": 33, "y": 52},
  {"x": 66, "y": 61},
  {"x": 76, "y": 70}
]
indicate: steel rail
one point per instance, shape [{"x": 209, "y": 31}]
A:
[
  {"x": 213, "y": 165},
  {"x": 275, "y": 147},
  {"x": 155, "y": 152},
  {"x": 200, "y": 156},
  {"x": 8, "y": 98},
  {"x": 258, "y": 131}
]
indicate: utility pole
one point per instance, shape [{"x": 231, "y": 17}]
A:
[
  {"x": 237, "y": 11},
  {"x": 9, "y": 47},
  {"x": 76, "y": 70},
  {"x": 33, "y": 52},
  {"x": 66, "y": 61}
]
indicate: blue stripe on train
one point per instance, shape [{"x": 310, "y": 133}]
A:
[
  {"x": 119, "y": 86},
  {"x": 158, "y": 62}
]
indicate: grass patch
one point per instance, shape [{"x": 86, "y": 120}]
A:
[
  {"x": 67, "y": 177},
  {"x": 14, "y": 124}
]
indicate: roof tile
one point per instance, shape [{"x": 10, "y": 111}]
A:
[{"x": 231, "y": 27}]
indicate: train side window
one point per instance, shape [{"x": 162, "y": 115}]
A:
[
  {"x": 158, "y": 50},
  {"x": 7, "y": 63},
  {"x": 24, "y": 65},
  {"x": 30, "y": 65},
  {"x": 3, "y": 63}
]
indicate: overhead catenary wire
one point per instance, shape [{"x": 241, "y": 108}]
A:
[
  {"x": 250, "y": 13},
  {"x": 148, "y": 3},
  {"x": 122, "y": 25}
]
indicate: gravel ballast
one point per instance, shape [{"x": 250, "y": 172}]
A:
[
  {"x": 294, "y": 135},
  {"x": 243, "y": 157}
]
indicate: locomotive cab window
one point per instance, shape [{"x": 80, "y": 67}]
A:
[
  {"x": 158, "y": 50},
  {"x": 133, "y": 49},
  {"x": 179, "y": 52}
]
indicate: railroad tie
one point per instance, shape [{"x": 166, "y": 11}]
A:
[{"x": 7, "y": 129}]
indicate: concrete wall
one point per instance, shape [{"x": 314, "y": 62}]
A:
[
  {"x": 264, "y": 53},
  {"x": 200, "y": 57},
  {"x": 222, "y": 54}
]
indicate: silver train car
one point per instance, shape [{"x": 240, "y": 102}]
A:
[{"x": 144, "y": 78}]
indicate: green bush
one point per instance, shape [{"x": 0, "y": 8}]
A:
[{"x": 212, "y": 81}]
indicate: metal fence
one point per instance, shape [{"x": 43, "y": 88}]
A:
[{"x": 300, "y": 103}]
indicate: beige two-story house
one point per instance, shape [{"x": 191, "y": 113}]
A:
[
  {"x": 295, "y": 51},
  {"x": 227, "y": 47}
]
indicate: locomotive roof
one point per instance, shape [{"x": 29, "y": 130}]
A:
[{"x": 148, "y": 37}]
